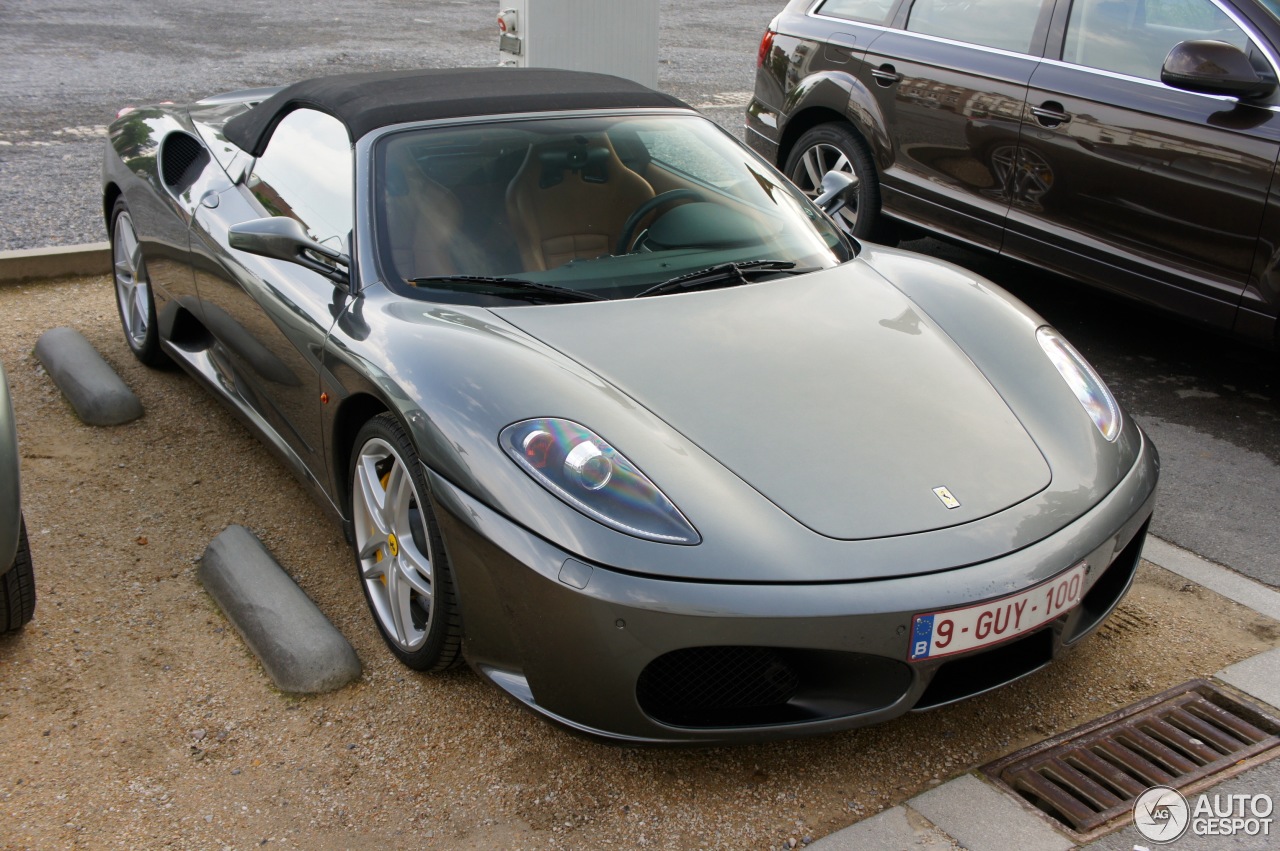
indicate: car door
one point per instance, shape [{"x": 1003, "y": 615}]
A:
[
  {"x": 951, "y": 82},
  {"x": 1147, "y": 189},
  {"x": 269, "y": 317}
]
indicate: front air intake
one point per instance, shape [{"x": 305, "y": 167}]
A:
[
  {"x": 736, "y": 686},
  {"x": 713, "y": 686}
]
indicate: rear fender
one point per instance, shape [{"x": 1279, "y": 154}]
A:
[
  {"x": 830, "y": 96},
  {"x": 133, "y": 168}
]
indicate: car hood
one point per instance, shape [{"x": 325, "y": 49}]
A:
[{"x": 833, "y": 395}]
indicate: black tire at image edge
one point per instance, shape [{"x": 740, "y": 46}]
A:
[{"x": 18, "y": 588}]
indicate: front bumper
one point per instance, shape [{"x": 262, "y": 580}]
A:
[{"x": 643, "y": 660}]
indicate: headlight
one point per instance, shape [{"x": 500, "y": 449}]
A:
[
  {"x": 575, "y": 464},
  {"x": 1083, "y": 381}
]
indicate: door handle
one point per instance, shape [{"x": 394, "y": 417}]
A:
[
  {"x": 1050, "y": 114},
  {"x": 885, "y": 75}
]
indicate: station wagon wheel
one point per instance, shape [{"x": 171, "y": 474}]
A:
[
  {"x": 835, "y": 147},
  {"x": 133, "y": 289},
  {"x": 399, "y": 552}
]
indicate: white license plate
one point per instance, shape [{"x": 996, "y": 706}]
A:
[{"x": 957, "y": 630}]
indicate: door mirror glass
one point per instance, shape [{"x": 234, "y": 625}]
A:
[
  {"x": 1213, "y": 68},
  {"x": 283, "y": 238}
]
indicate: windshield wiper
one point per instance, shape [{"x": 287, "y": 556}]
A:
[
  {"x": 530, "y": 289},
  {"x": 724, "y": 275}
]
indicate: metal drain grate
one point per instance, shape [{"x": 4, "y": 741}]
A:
[{"x": 1089, "y": 776}]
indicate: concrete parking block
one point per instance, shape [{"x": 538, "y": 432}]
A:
[
  {"x": 1258, "y": 676},
  {"x": 985, "y": 819},
  {"x": 98, "y": 395},
  {"x": 895, "y": 829},
  {"x": 57, "y": 262},
  {"x": 299, "y": 648}
]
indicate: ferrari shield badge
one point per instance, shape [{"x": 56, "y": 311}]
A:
[{"x": 947, "y": 499}]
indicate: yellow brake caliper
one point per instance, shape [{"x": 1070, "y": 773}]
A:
[{"x": 391, "y": 539}]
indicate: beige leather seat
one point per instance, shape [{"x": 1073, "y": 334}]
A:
[
  {"x": 570, "y": 199},
  {"x": 424, "y": 220}
]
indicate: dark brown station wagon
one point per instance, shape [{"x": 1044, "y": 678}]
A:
[{"x": 1128, "y": 143}]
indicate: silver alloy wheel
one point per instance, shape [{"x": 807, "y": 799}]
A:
[
  {"x": 391, "y": 544},
  {"x": 808, "y": 172},
  {"x": 133, "y": 290}
]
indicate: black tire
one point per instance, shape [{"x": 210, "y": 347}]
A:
[
  {"x": 135, "y": 300},
  {"x": 391, "y": 571},
  {"x": 838, "y": 146},
  {"x": 18, "y": 588}
]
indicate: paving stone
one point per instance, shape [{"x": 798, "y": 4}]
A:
[
  {"x": 895, "y": 829},
  {"x": 983, "y": 818},
  {"x": 1258, "y": 675}
]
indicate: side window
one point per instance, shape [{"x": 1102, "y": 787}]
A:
[
  {"x": 306, "y": 173},
  {"x": 870, "y": 11},
  {"x": 1134, "y": 36},
  {"x": 1003, "y": 24}
]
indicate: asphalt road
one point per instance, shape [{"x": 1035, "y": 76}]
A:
[{"x": 1211, "y": 405}]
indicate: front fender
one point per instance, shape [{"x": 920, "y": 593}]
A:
[{"x": 997, "y": 332}]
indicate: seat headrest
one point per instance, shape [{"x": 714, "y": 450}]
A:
[{"x": 591, "y": 161}]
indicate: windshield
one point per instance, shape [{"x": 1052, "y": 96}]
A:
[{"x": 608, "y": 206}]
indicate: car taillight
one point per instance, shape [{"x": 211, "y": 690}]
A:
[{"x": 766, "y": 44}]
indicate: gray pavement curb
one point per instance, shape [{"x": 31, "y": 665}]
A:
[
  {"x": 97, "y": 394},
  {"x": 31, "y": 264},
  {"x": 299, "y": 648},
  {"x": 1221, "y": 580},
  {"x": 972, "y": 814}
]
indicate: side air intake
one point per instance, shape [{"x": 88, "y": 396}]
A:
[{"x": 182, "y": 158}]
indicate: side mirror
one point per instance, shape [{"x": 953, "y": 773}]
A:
[
  {"x": 839, "y": 190},
  {"x": 283, "y": 238},
  {"x": 1213, "y": 68}
]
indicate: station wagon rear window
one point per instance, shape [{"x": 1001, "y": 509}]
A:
[{"x": 870, "y": 11}]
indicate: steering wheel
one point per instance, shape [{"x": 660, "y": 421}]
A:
[{"x": 647, "y": 207}]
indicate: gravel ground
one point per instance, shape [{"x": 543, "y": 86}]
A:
[
  {"x": 65, "y": 68},
  {"x": 131, "y": 714}
]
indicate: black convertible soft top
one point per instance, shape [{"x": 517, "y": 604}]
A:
[{"x": 365, "y": 102}]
